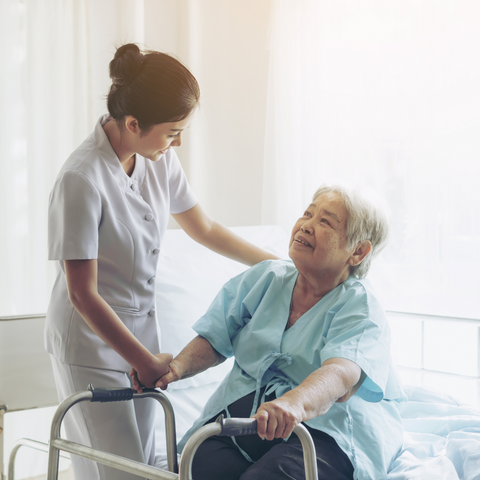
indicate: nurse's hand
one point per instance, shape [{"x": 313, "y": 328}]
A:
[
  {"x": 278, "y": 418},
  {"x": 149, "y": 374}
]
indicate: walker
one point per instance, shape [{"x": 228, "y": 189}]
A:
[{"x": 222, "y": 426}]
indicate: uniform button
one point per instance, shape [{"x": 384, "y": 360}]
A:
[
  {"x": 148, "y": 217},
  {"x": 156, "y": 251},
  {"x": 134, "y": 187},
  {"x": 151, "y": 280},
  {"x": 151, "y": 313}
]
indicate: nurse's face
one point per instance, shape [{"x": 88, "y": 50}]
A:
[
  {"x": 318, "y": 241},
  {"x": 161, "y": 137}
]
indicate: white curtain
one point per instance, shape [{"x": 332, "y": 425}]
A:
[
  {"x": 43, "y": 115},
  {"x": 55, "y": 56},
  {"x": 384, "y": 94},
  {"x": 54, "y": 77}
]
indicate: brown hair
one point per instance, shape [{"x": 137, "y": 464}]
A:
[{"x": 153, "y": 87}]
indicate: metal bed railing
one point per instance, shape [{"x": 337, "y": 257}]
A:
[
  {"x": 26, "y": 442},
  {"x": 423, "y": 317},
  {"x": 222, "y": 427},
  {"x": 26, "y": 382}
]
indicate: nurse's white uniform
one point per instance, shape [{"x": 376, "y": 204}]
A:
[{"x": 98, "y": 212}]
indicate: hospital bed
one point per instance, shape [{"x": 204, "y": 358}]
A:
[{"x": 442, "y": 435}]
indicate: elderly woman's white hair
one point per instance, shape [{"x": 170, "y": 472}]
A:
[{"x": 368, "y": 219}]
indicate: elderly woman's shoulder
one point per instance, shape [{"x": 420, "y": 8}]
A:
[
  {"x": 277, "y": 268},
  {"x": 279, "y": 265},
  {"x": 361, "y": 292}
]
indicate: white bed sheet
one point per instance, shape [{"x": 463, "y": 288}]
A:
[{"x": 441, "y": 440}]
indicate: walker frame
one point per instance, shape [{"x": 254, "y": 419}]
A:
[{"x": 221, "y": 427}]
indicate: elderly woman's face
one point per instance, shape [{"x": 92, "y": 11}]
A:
[{"x": 318, "y": 241}]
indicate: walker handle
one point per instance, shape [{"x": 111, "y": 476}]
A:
[
  {"x": 110, "y": 394},
  {"x": 232, "y": 427}
]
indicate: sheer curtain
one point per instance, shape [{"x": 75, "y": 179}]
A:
[
  {"x": 384, "y": 95},
  {"x": 55, "y": 55},
  {"x": 44, "y": 85},
  {"x": 54, "y": 77}
]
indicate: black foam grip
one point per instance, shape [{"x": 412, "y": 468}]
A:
[
  {"x": 232, "y": 427},
  {"x": 111, "y": 394}
]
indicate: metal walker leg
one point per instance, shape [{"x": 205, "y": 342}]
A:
[
  {"x": 111, "y": 395},
  {"x": 222, "y": 427},
  {"x": 228, "y": 427}
]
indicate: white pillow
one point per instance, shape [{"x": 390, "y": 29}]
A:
[{"x": 189, "y": 277}]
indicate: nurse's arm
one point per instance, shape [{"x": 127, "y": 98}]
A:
[
  {"x": 335, "y": 381},
  {"x": 196, "y": 357},
  {"x": 218, "y": 238},
  {"x": 82, "y": 290}
]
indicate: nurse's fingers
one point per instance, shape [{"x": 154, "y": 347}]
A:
[{"x": 136, "y": 385}]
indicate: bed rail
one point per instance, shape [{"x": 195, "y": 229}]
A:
[{"x": 222, "y": 426}]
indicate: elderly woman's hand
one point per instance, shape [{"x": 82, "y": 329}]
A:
[
  {"x": 175, "y": 373},
  {"x": 278, "y": 418},
  {"x": 158, "y": 367}
]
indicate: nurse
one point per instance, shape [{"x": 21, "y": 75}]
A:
[{"x": 108, "y": 212}]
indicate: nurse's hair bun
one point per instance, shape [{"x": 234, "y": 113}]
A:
[
  {"x": 126, "y": 64},
  {"x": 153, "y": 87}
]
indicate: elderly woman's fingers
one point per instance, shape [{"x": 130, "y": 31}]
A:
[
  {"x": 163, "y": 382},
  {"x": 277, "y": 419},
  {"x": 171, "y": 376},
  {"x": 262, "y": 422},
  {"x": 272, "y": 425},
  {"x": 289, "y": 426}
]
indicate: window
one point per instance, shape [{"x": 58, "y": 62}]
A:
[{"x": 387, "y": 97}]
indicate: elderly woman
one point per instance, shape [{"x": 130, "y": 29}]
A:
[{"x": 311, "y": 344}]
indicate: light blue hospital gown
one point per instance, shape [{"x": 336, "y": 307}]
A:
[{"x": 247, "y": 319}]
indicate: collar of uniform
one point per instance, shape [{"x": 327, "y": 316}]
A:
[{"x": 110, "y": 157}]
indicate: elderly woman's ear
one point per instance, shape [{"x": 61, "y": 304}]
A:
[{"x": 360, "y": 252}]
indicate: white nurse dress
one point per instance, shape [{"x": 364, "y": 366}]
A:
[{"x": 98, "y": 212}]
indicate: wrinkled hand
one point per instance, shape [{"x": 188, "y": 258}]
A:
[
  {"x": 151, "y": 373},
  {"x": 175, "y": 373},
  {"x": 278, "y": 418}
]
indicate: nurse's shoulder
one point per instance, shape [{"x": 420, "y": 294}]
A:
[{"x": 87, "y": 167}]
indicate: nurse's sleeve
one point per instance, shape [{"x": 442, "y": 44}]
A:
[
  {"x": 74, "y": 216},
  {"x": 182, "y": 197},
  {"x": 359, "y": 332},
  {"x": 230, "y": 311}
]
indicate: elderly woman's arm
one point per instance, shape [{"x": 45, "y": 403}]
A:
[
  {"x": 196, "y": 357},
  {"x": 336, "y": 381}
]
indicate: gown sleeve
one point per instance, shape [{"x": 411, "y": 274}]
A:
[
  {"x": 359, "y": 332},
  {"x": 233, "y": 308},
  {"x": 74, "y": 216}
]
